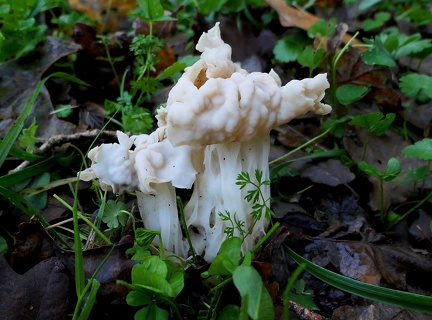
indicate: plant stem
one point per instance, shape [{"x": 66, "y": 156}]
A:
[
  {"x": 381, "y": 186},
  {"x": 264, "y": 239},
  {"x": 302, "y": 146},
  {"x": 81, "y": 216},
  {"x": 294, "y": 276},
  {"x": 365, "y": 145}
]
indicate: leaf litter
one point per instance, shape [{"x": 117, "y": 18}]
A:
[{"x": 329, "y": 222}]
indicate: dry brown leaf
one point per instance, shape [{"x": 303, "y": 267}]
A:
[
  {"x": 291, "y": 17},
  {"x": 391, "y": 265},
  {"x": 94, "y": 9},
  {"x": 379, "y": 151},
  {"x": 331, "y": 172},
  {"x": 18, "y": 81},
  {"x": 41, "y": 293}
]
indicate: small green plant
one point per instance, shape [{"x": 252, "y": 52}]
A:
[
  {"x": 297, "y": 47},
  {"x": 391, "y": 171},
  {"x": 155, "y": 281},
  {"x": 391, "y": 45},
  {"x": 253, "y": 195},
  {"x": 256, "y": 301},
  {"x": 145, "y": 82},
  {"x": 416, "y": 87},
  {"x": 375, "y": 122},
  {"x": 20, "y": 31},
  {"x": 27, "y": 138},
  {"x": 421, "y": 150}
]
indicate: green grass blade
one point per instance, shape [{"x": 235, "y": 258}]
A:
[
  {"x": 28, "y": 209},
  {"x": 31, "y": 171},
  {"x": 23, "y": 155},
  {"x": 13, "y": 133},
  {"x": 85, "y": 313},
  {"x": 385, "y": 295}
]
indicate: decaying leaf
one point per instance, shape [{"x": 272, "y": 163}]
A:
[
  {"x": 18, "y": 81},
  {"x": 331, "y": 172},
  {"x": 367, "y": 310},
  {"x": 32, "y": 245},
  {"x": 399, "y": 267},
  {"x": 380, "y": 149},
  {"x": 41, "y": 293},
  {"x": 291, "y": 17}
]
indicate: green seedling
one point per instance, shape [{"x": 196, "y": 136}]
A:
[
  {"x": 20, "y": 31},
  {"x": 155, "y": 282},
  {"x": 417, "y": 15},
  {"x": 391, "y": 171},
  {"x": 256, "y": 301},
  {"x": 391, "y": 45},
  {"x": 380, "y": 18},
  {"x": 303, "y": 297},
  {"x": 375, "y": 122},
  {"x": 27, "y": 138},
  {"x": 254, "y": 195},
  {"x": 296, "y": 47},
  {"x": 421, "y": 150},
  {"x": 417, "y": 88},
  {"x": 288, "y": 49},
  {"x": 134, "y": 118}
]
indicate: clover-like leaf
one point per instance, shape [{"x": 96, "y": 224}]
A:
[
  {"x": 115, "y": 214},
  {"x": 374, "y": 121}
]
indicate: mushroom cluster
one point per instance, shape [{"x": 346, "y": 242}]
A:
[{"x": 216, "y": 124}]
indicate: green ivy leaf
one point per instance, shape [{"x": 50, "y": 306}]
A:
[
  {"x": 350, "y": 93},
  {"x": 115, "y": 214},
  {"x": 421, "y": 149}
]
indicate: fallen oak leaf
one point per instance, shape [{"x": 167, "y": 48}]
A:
[{"x": 291, "y": 17}]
